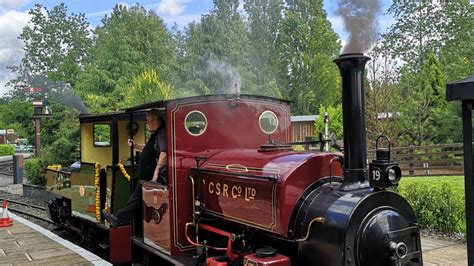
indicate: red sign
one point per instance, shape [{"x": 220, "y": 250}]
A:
[{"x": 32, "y": 89}]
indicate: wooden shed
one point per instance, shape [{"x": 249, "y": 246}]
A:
[{"x": 302, "y": 126}]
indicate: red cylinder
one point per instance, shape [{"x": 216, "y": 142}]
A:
[{"x": 255, "y": 259}]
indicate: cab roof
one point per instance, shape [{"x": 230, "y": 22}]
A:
[
  {"x": 124, "y": 114},
  {"x": 164, "y": 103}
]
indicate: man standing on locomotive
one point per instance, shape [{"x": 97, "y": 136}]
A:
[{"x": 152, "y": 166}]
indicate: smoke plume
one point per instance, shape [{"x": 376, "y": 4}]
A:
[
  {"x": 359, "y": 20},
  {"x": 60, "y": 91},
  {"x": 228, "y": 73},
  {"x": 72, "y": 100}
]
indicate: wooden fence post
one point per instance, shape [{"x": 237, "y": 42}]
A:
[
  {"x": 411, "y": 150},
  {"x": 307, "y": 138}
]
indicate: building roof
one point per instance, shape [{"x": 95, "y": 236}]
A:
[
  {"x": 461, "y": 89},
  {"x": 303, "y": 118}
]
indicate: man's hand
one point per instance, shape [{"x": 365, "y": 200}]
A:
[{"x": 131, "y": 143}]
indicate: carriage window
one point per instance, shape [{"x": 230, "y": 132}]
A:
[
  {"x": 101, "y": 135},
  {"x": 195, "y": 123},
  {"x": 268, "y": 122}
]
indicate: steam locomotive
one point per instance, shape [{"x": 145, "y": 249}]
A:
[{"x": 238, "y": 193}]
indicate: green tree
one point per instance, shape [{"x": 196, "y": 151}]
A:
[
  {"x": 335, "y": 120},
  {"x": 131, "y": 40},
  {"x": 56, "y": 46},
  {"x": 457, "y": 53},
  {"x": 16, "y": 113},
  {"x": 423, "y": 27},
  {"x": 423, "y": 114},
  {"x": 217, "y": 52},
  {"x": 441, "y": 33},
  {"x": 307, "y": 44},
  {"x": 264, "y": 21},
  {"x": 147, "y": 87},
  {"x": 382, "y": 105}
]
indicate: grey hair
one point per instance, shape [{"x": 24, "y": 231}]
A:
[{"x": 155, "y": 113}]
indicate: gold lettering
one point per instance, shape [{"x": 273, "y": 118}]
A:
[
  {"x": 234, "y": 193},
  {"x": 224, "y": 192},
  {"x": 211, "y": 187},
  {"x": 218, "y": 188},
  {"x": 250, "y": 193}
]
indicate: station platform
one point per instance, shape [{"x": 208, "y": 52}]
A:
[{"x": 26, "y": 243}]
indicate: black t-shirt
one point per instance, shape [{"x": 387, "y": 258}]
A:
[
  {"x": 156, "y": 143},
  {"x": 161, "y": 142}
]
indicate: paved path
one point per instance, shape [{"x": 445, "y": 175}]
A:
[
  {"x": 440, "y": 252},
  {"x": 25, "y": 243}
]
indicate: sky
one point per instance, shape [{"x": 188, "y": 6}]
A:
[{"x": 14, "y": 16}]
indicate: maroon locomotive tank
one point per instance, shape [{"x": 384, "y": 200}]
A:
[{"x": 260, "y": 188}]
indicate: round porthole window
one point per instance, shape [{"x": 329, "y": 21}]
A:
[
  {"x": 268, "y": 122},
  {"x": 195, "y": 123}
]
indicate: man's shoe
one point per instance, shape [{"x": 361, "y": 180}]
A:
[{"x": 113, "y": 220}]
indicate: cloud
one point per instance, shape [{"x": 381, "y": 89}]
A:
[
  {"x": 182, "y": 20},
  {"x": 170, "y": 7},
  {"x": 6, "y": 5},
  {"x": 102, "y": 13},
  {"x": 11, "y": 48}
]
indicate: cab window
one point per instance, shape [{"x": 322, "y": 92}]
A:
[{"x": 102, "y": 135}]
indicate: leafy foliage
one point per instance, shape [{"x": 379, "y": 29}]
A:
[
  {"x": 16, "y": 114},
  {"x": 382, "y": 106},
  {"x": 217, "y": 52},
  {"x": 335, "y": 120},
  {"x": 425, "y": 103},
  {"x": 130, "y": 41},
  {"x": 264, "y": 20},
  {"x": 35, "y": 171},
  {"x": 434, "y": 43},
  {"x": 438, "y": 202},
  {"x": 6, "y": 149},
  {"x": 457, "y": 54},
  {"x": 56, "y": 45},
  {"x": 147, "y": 87},
  {"x": 306, "y": 47}
]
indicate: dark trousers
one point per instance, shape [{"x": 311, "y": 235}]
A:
[{"x": 132, "y": 208}]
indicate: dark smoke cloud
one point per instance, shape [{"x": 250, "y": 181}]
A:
[
  {"x": 60, "y": 91},
  {"x": 360, "y": 21},
  {"x": 72, "y": 100}
]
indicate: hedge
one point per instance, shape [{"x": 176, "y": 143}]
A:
[
  {"x": 35, "y": 171},
  {"x": 6, "y": 149},
  {"x": 438, "y": 202}
]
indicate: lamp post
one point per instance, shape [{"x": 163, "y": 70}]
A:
[{"x": 37, "y": 115}]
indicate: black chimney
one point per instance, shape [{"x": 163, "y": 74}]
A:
[{"x": 352, "y": 67}]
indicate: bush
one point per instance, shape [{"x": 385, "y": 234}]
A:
[
  {"x": 6, "y": 149},
  {"x": 438, "y": 202},
  {"x": 62, "y": 151},
  {"x": 35, "y": 171}
]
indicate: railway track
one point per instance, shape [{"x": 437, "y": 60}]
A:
[
  {"x": 6, "y": 168},
  {"x": 27, "y": 208}
]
